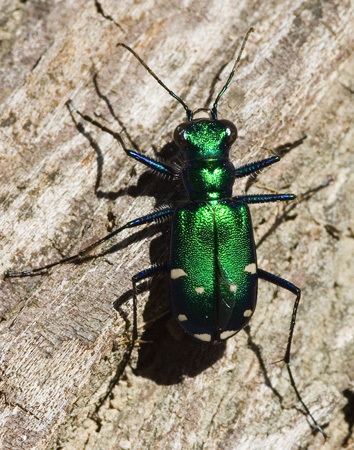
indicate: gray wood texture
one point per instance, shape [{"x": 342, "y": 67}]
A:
[{"x": 65, "y": 379}]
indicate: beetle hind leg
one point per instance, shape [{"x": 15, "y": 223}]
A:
[{"x": 281, "y": 282}]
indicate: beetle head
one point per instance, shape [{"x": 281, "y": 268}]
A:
[{"x": 205, "y": 138}]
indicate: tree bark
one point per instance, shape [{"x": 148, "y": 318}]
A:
[{"x": 67, "y": 378}]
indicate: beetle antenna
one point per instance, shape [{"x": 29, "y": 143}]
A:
[
  {"x": 214, "y": 109},
  {"x": 161, "y": 83}
]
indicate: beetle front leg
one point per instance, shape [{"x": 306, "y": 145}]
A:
[
  {"x": 156, "y": 216},
  {"x": 255, "y": 166},
  {"x": 263, "y": 198},
  {"x": 157, "y": 166},
  {"x": 281, "y": 282}
]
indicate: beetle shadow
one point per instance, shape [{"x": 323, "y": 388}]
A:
[{"x": 348, "y": 411}]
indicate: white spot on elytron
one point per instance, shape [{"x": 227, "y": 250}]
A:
[
  {"x": 247, "y": 313},
  {"x": 178, "y": 273},
  {"x": 182, "y": 317},
  {"x": 227, "y": 334},
  {"x": 251, "y": 268},
  {"x": 203, "y": 337},
  {"x": 199, "y": 290},
  {"x": 233, "y": 287}
]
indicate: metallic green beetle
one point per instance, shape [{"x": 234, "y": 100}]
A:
[
  {"x": 213, "y": 258},
  {"x": 212, "y": 266}
]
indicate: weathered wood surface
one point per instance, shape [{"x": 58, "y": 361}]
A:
[{"x": 64, "y": 381}]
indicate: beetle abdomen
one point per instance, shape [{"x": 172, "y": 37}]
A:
[{"x": 213, "y": 269}]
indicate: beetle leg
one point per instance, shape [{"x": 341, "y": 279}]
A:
[
  {"x": 267, "y": 276},
  {"x": 153, "y": 164},
  {"x": 255, "y": 166},
  {"x": 156, "y": 216},
  {"x": 281, "y": 282},
  {"x": 259, "y": 165},
  {"x": 263, "y": 198}
]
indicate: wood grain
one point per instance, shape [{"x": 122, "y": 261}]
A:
[{"x": 65, "y": 381}]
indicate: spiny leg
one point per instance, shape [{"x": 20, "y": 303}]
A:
[
  {"x": 153, "y": 164},
  {"x": 157, "y": 166},
  {"x": 151, "y": 271},
  {"x": 281, "y": 282},
  {"x": 255, "y": 166},
  {"x": 263, "y": 198},
  {"x": 156, "y": 216}
]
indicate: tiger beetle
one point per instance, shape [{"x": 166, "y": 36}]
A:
[{"x": 212, "y": 265}]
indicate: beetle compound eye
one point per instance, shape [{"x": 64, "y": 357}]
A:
[
  {"x": 232, "y": 134},
  {"x": 231, "y": 131},
  {"x": 180, "y": 135}
]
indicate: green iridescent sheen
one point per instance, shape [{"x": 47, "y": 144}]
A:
[
  {"x": 213, "y": 259},
  {"x": 209, "y": 179},
  {"x": 208, "y": 138},
  {"x": 213, "y": 245}
]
